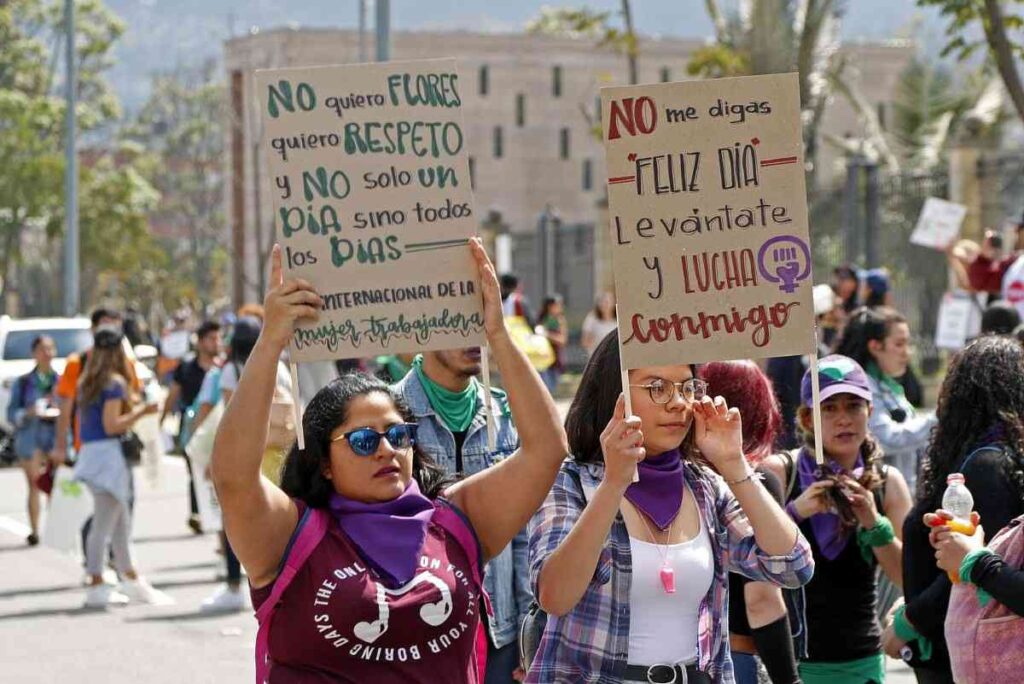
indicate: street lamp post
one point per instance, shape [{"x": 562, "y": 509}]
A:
[
  {"x": 71, "y": 291},
  {"x": 383, "y": 30}
]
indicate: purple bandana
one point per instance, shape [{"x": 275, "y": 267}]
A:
[
  {"x": 389, "y": 535},
  {"x": 827, "y": 527},
  {"x": 659, "y": 493}
]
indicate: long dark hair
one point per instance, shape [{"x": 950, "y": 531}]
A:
[
  {"x": 594, "y": 403},
  {"x": 546, "y": 305},
  {"x": 866, "y": 325},
  {"x": 982, "y": 399},
  {"x": 303, "y": 477}
]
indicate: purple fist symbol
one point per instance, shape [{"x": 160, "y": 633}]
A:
[{"x": 782, "y": 263}]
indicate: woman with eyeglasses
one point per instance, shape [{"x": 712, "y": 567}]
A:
[
  {"x": 391, "y": 593},
  {"x": 634, "y": 576}
]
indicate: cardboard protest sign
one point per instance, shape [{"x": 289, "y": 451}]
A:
[
  {"x": 373, "y": 206},
  {"x": 939, "y": 223},
  {"x": 708, "y": 216},
  {"x": 959, "y": 320}
]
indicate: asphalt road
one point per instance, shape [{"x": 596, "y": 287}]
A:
[{"x": 46, "y": 636}]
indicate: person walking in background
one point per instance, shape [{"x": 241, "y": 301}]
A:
[
  {"x": 999, "y": 318},
  {"x": 988, "y": 269},
  {"x": 513, "y": 302},
  {"x": 108, "y": 409},
  {"x": 30, "y": 411},
  {"x": 599, "y": 322},
  {"x": 186, "y": 381},
  {"x": 846, "y": 285},
  {"x": 447, "y": 402},
  {"x": 879, "y": 341},
  {"x": 634, "y": 576},
  {"x": 853, "y": 517},
  {"x": 551, "y": 323},
  {"x": 980, "y": 434},
  {"x": 244, "y": 337},
  {"x": 876, "y": 288},
  {"x": 761, "y": 627}
]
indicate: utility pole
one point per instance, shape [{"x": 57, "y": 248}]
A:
[
  {"x": 71, "y": 285},
  {"x": 383, "y": 30},
  {"x": 362, "y": 30}
]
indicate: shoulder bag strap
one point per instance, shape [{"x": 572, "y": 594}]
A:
[{"x": 309, "y": 532}]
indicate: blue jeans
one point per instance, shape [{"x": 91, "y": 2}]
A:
[{"x": 744, "y": 667}]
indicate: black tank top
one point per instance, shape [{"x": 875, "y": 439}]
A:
[{"x": 841, "y": 602}]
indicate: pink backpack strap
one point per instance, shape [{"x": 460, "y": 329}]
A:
[
  {"x": 311, "y": 529},
  {"x": 457, "y": 524}
]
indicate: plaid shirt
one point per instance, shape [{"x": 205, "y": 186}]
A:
[{"x": 591, "y": 643}]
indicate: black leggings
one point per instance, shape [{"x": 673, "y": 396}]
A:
[{"x": 234, "y": 567}]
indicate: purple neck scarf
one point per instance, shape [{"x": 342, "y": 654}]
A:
[
  {"x": 659, "y": 493},
  {"x": 389, "y": 535},
  {"x": 827, "y": 527}
]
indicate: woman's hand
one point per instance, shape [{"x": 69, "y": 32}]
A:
[
  {"x": 286, "y": 303},
  {"x": 494, "y": 318},
  {"x": 951, "y": 547},
  {"x": 814, "y": 499},
  {"x": 719, "y": 436},
  {"x": 892, "y": 644},
  {"x": 861, "y": 501},
  {"x": 622, "y": 444}
]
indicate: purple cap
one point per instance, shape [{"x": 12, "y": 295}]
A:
[{"x": 837, "y": 375}]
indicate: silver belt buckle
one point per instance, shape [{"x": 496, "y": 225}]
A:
[{"x": 653, "y": 671}]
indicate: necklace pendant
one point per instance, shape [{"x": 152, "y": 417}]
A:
[{"x": 668, "y": 579}]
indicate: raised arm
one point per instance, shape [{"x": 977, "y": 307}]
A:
[
  {"x": 500, "y": 500},
  {"x": 258, "y": 517}
]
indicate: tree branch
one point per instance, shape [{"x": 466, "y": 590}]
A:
[{"x": 1002, "y": 50}]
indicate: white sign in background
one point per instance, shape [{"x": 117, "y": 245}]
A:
[{"x": 938, "y": 226}]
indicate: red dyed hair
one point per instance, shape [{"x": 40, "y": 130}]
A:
[{"x": 746, "y": 387}]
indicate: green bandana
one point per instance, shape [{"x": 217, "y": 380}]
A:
[
  {"x": 893, "y": 386},
  {"x": 456, "y": 409}
]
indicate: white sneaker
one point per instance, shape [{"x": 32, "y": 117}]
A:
[
  {"x": 225, "y": 600},
  {"x": 141, "y": 591},
  {"x": 103, "y": 595}
]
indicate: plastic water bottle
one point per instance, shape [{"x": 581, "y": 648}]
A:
[{"x": 958, "y": 501}]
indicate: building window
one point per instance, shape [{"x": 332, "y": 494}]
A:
[
  {"x": 498, "y": 147},
  {"x": 666, "y": 75},
  {"x": 588, "y": 174},
  {"x": 563, "y": 143},
  {"x": 472, "y": 173},
  {"x": 485, "y": 77},
  {"x": 556, "y": 81},
  {"x": 520, "y": 110}
]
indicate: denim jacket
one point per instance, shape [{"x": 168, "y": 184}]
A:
[{"x": 506, "y": 578}]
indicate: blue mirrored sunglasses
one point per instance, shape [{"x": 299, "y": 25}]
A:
[{"x": 364, "y": 441}]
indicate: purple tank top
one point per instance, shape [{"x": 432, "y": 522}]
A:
[{"x": 337, "y": 623}]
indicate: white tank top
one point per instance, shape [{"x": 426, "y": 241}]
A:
[{"x": 663, "y": 627}]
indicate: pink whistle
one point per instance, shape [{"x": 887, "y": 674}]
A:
[{"x": 668, "y": 580}]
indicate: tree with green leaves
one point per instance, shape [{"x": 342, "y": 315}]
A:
[
  {"x": 182, "y": 123},
  {"x": 778, "y": 36},
  {"x": 995, "y": 23}
]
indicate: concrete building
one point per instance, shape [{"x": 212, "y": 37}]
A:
[{"x": 530, "y": 104}]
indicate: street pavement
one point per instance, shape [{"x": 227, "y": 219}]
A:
[{"x": 46, "y": 636}]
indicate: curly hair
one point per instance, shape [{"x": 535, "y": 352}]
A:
[
  {"x": 302, "y": 476},
  {"x": 981, "y": 398}
]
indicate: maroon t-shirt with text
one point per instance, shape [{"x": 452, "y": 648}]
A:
[{"x": 337, "y": 623}]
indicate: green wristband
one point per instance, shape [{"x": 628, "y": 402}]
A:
[
  {"x": 881, "y": 534},
  {"x": 967, "y": 567},
  {"x": 908, "y": 633}
]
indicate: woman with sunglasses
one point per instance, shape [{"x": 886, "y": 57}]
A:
[
  {"x": 390, "y": 594},
  {"x": 634, "y": 576}
]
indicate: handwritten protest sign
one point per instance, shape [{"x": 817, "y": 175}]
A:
[
  {"x": 708, "y": 216},
  {"x": 939, "y": 223},
  {"x": 959, "y": 320},
  {"x": 373, "y": 206}
]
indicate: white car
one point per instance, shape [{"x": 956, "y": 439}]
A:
[{"x": 71, "y": 335}]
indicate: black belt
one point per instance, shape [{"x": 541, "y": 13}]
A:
[{"x": 666, "y": 674}]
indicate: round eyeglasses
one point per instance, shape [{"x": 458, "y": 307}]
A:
[
  {"x": 663, "y": 391},
  {"x": 364, "y": 441}
]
